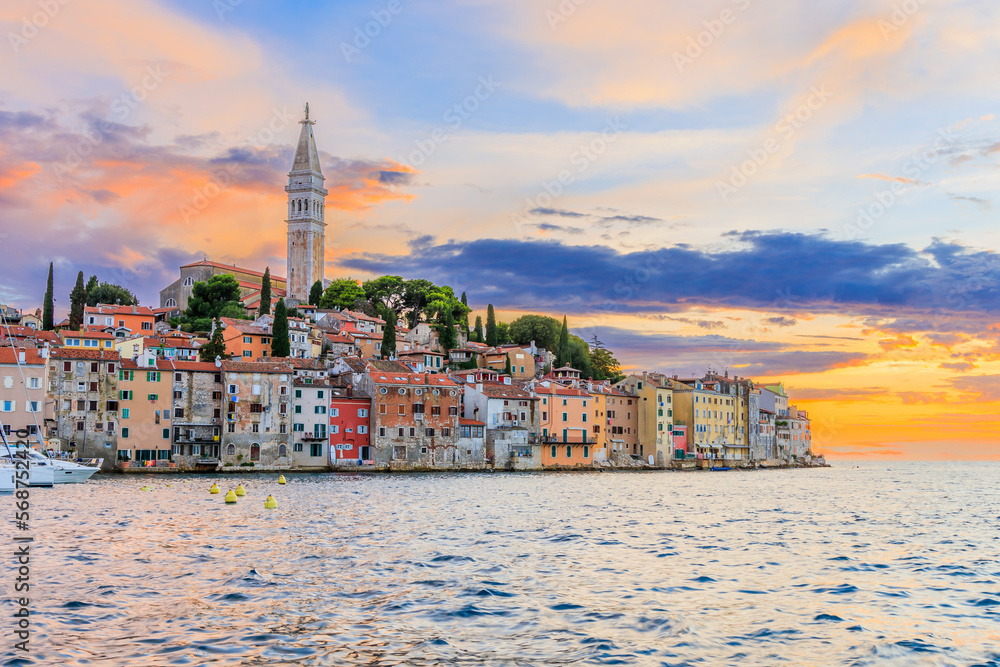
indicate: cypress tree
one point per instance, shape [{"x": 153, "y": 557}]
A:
[
  {"x": 280, "y": 345},
  {"x": 465, "y": 325},
  {"x": 389, "y": 334},
  {"x": 491, "y": 326},
  {"x": 47, "y": 306},
  {"x": 77, "y": 299},
  {"x": 316, "y": 293},
  {"x": 216, "y": 347},
  {"x": 563, "y": 355},
  {"x": 479, "y": 329},
  {"x": 265, "y": 293},
  {"x": 449, "y": 338}
]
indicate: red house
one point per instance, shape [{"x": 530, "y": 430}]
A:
[{"x": 349, "y": 427}]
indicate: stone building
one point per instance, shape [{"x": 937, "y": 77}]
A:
[
  {"x": 509, "y": 413},
  {"x": 414, "y": 418},
  {"x": 84, "y": 384},
  {"x": 177, "y": 293},
  {"x": 258, "y": 413},
  {"x": 197, "y": 418}
]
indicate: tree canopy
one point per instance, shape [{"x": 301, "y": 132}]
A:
[
  {"x": 316, "y": 293},
  {"x": 280, "y": 344},
  {"x": 542, "y": 329},
  {"x": 110, "y": 294},
  {"x": 342, "y": 293},
  {"x": 218, "y": 297},
  {"x": 265, "y": 293}
]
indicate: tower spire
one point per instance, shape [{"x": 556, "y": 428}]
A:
[{"x": 306, "y": 215}]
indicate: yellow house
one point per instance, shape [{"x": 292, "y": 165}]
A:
[
  {"x": 709, "y": 417},
  {"x": 656, "y": 407},
  {"x": 87, "y": 340}
]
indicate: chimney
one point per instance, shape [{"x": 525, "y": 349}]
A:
[
  {"x": 133, "y": 309},
  {"x": 350, "y": 391},
  {"x": 479, "y": 386},
  {"x": 44, "y": 352}
]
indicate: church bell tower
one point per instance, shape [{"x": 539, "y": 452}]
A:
[{"x": 306, "y": 215}]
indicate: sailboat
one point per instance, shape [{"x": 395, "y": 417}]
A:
[{"x": 42, "y": 470}]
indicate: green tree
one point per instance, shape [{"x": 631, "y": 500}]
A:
[
  {"x": 92, "y": 285},
  {"x": 605, "y": 366},
  {"x": 448, "y": 335},
  {"x": 280, "y": 344},
  {"x": 465, "y": 320},
  {"x": 563, "y": 351},
  {"x": 111, "y": 294},
  {"x": 478, "y": 331},
  {"x": 389, "y": 333},
  {"x": 77, "y": 301},
  {"x": 491, "y": 326},
  {"x": 316, "y": 293},
  {"x": 579, "y": 356},
  {"x": 342, "y": 294},
  {"x": 503, "y": 333},
  {"x": 265, "y": 293},
  {"x": 47, "y": 308},
  {"x": 507, "y": 367},
  {"x": 218, "y": 297},
  {"x": 215, "y": 347},
  {"x": 542, "y": 329},
  {"x": 387, "y": 292},
  {"x": 234, "y": 311}
]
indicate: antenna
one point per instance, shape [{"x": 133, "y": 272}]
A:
[{"x": 218, "y": 361}]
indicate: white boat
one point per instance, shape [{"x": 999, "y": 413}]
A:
[
  {"x": 7, "y": 472},
  {"x": 43, "y": 471}
]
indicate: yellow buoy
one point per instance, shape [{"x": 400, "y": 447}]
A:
[
  {"x": 270, "y": 503},
  {"x": 214, "y": 489},
  {"x": 146, "y": 488},
  {"x": 230, "y": 497},
  {"x": 281, "y": 480},
  {"x": 240, "y": 491}
]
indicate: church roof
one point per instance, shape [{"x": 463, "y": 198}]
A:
[{"x": 306, "y": 156}]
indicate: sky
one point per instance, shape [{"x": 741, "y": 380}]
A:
[{"x": 791, "y": 191}]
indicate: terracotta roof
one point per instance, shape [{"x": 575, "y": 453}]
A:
[
  {"x": 361, "y": 316},
  {"x": 218, "y": 265},
  {"x": 246, "y": 327},
  {"x": 28, "y": 332},
  {"x": 182, "y": 343},
  {"x": 114, "y": 309},
  {"x": 93, "y": 355},
  {"x": 386, "y": 366},
  {"x": 255, "y": 367},
  {"x": 197, "y": 366},
  {"x": 32, "y": 356},
  {"x": 411, "y": 379},
  {"x": 341, "y": 392},
  {"x": 560, "y": 391},
  {"x": 340, "y": 338},
  {"x": 309, "y": 364},
  {"x": 462, "y": 421},
  {"x": 505, "y": 391}
]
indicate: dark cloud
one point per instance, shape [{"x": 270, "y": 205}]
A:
[
  {"x": 776, "y": 271},
  {"x": 781, "y": 321},
  {"x": 547, "y": 227}
]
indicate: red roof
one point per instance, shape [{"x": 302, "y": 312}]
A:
[
  {"x": 105, "y": 309},
  {"x": 197, "y": 366},
  {"x": 161, "y": 365},
  {"x": 28, "y": 332},
  {"x": 246, "y": 327},
  {"x": 32, "y": 355},
  {"x": 93, "y": 355},
  {"x": 255, "y": 367},
  {"x": 560, "y": 391},
  {"x": 462, "y": 421}
]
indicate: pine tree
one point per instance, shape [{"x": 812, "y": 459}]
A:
[
  {"x": 47, "y": 309},
  {"x": 77, "y": 299},
  {"x": 216, "y": 347},
  {"x": 564, "y": 353},
  {"x": 316, "y": 293},
  {"x": 507, "y": 368},
  {"x": 389, "y": 334},
  {"x": 280, "y": 345},
  {"x": 491, "y": 326},
  {"x": 478, "y": 332},
  {"x": 265, "y": 293}
]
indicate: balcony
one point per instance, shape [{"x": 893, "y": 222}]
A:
[{"x": 312, "y": 437}]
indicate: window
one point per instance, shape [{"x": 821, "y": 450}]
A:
[
  {"x": 125, "y": 413},
  {"x": 248, "y": 340},
  {"x": 67, "y": 366},
  {"x": 381, "y": 432},
  {"x": 298, "y": 393},
  {"x": 413, "y": 432},
  {"x": 553, "y": 451},
  {"x": 445, "y": 432},
  {"x": 382, "y": 408},
  {"x": 256, "y": 408},
  {"x": 152, "y": 376},
  {"x": 166, "y": 433},
  {"x": 231, "y": 428},
  {"x": 282, "y": 450},
  {"x": 429, "y": 433},
  {"x": 283, "y": 409},
  {"x": 364, "y": 429},
  {"x": 246, "y": 353},
  {"x": 255, "y": 428},
  {"x": 298, "y": 427},
  {"x": 319, "y": 410},
  {"x": 586, "y": 451},
  {"x": 402, "y": 409},
  {"x": 8, "y": 406},
  {"x": 152, "y": 397},
  {"x": 333, "y": 429},
  {"x": 178, "y": 412},
  {"x": 93, "y": 406},
  {"x": 297, "y": 447},
  {"x": 316, "y": 449},
  {"x": 298, "y": 409},
  {"x": 231, "y": 450},
  {"x": 282, "y": 428},
  {"x": 565, "y": 417},
  {"x": 569, "y": 451},
  {"x": 125, "y": 431},
  {"x": 362, "y": 412}
]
